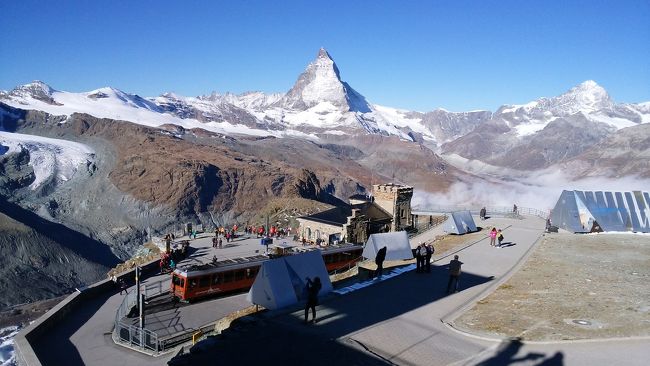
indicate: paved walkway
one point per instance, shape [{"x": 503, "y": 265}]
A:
[
  {"x": 402, "y": 320},
  {"x": 399, "y": 320},
  {"x": 85, "y": 337}
]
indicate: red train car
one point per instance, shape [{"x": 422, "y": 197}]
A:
[{"x": 238, "y": 274}]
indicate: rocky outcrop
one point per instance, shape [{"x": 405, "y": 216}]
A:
[
  {"x": 15, "y": 173},
  {"x": 40, "y": 259},
  {"x": 624, "y": 153}
]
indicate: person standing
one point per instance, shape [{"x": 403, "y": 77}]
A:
[
  {"x": 379, "y": 261},
  {"x": 418, "y": 259},
  {"x": 454, "y": 274},
  {"x": 427, "y": 263},
  {"x": 313, "y": 288},
  {"x": 483, "y": 213},
  {"x": 499, "y": 237},
  {"x": 493, "y": 236}
]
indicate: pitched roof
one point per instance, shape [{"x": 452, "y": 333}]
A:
[
  {"x": 333, "y": 216},
  {"x": 339, "y": 215}
]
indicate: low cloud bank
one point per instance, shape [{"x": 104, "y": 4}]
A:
[{"x": 539, "y": 190}]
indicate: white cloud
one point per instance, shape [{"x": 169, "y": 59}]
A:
[{"x": 540, "y": 190}]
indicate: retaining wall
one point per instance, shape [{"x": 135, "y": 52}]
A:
[{"x": 25, "y": 354}]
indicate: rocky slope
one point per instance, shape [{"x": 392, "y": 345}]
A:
[
  {"x": 549, "y": 130},
  {"x": 40, "y": 259},
  {"x": 624, "y": 153}
]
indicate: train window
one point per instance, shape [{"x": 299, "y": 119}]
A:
[
  {"x": 251, "y": 272},
  {"x": 178, "y": 281},
  {"x": 216, "y": 279},
  {"x": 204, "y": 281},
  {"x": 228, "y": 276},
  {"x": 193, "y": 282},
  {"x": 239, "y": 275}
]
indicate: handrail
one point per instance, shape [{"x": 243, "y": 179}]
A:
[
  {"x": 149, "y": 290},
  {"x": 491, "y": 210}
]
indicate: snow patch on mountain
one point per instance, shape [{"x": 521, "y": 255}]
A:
[
  {"x": 114, "y": 104},
  {"x": 587, "y": 98},
  {"x": 249, "y": 100},
  {"x": 616, "y": 122},
  {"x": 50, "y": 158},
  {"x": 7, "y": 352}
]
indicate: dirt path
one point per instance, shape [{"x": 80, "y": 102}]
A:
[{"x": 572, "y": 287}]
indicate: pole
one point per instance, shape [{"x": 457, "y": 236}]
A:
[
  {"x": 137, "y": 285},
  {"x": 141, "y": 311}
]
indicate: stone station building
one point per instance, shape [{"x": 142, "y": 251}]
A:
[{"x": 387, "y": 209}]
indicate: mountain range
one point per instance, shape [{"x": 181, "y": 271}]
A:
[{"x": 116, "y": 167}]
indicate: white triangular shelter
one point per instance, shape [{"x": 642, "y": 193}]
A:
[
  {"x": 397, "y": 246},
  {"x": 460, "y": 222},
  {"x": 281, "y": 282}
]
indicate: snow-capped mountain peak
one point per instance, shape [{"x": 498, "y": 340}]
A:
[
  {"x": 321, "y": 83},
  {"x": 587, "y": 96},
  {"x": 36, "y": 89},
  {"x": 132, "y": 100}
]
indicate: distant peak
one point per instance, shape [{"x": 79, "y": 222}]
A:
[
  {"x": 590, "y": 88},
  {"x": 38, "y": 85},
  {"x": 589, "y": 84},
  {"x": 322, "y": 53},
  {"x": 321, "y": 82}
]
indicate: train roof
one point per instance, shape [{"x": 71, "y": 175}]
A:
[{"x": 229, "y": 264}]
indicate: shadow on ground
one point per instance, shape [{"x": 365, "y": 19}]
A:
[
  {"x": 55, "y": 347},
  {"x": 285, "y": 339},
  {"x": 507, "y": 354}
]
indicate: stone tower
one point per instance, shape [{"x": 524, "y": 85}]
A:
[{"x": 396, "y": 200}]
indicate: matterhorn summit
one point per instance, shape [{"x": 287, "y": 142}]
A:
[{"x": 321, "y": 83}]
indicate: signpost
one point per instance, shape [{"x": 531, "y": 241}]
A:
[{"x": 267, "y": 242}]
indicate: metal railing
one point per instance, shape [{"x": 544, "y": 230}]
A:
[
  {"x": 491, "y": 210},
  {"x": 132, "y": 335},
  {"x": 429, "y": 224}
]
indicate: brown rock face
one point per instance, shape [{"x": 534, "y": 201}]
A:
[{"x": 193, "y": 176}]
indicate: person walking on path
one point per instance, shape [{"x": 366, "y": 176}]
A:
[
  {"x": 499, "y": 237},
  {"x": 454, "y": 274},
  {"x": 379, "y": 261},
  {"x": 313, "y": 288},
  {"x": 427, "y": 259},
  {"x": 493, "y": 236},
  {"x": 122, "y": 286},
  {"x": 483, "y": 213}
]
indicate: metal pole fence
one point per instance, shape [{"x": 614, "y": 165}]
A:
[
  {"x": 133, "y": 335},
  {"x": 491, "y": 210}
]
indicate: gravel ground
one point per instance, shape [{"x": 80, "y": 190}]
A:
[{"x": 572, "y": 287}]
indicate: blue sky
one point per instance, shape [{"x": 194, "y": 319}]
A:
[{"x": 420, "y": 55}]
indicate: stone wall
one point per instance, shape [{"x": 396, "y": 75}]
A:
[
  {"x": 396, "y": 200},
  {"x": 312, "y": 230},
  {"x": 356, "y": 229}
]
